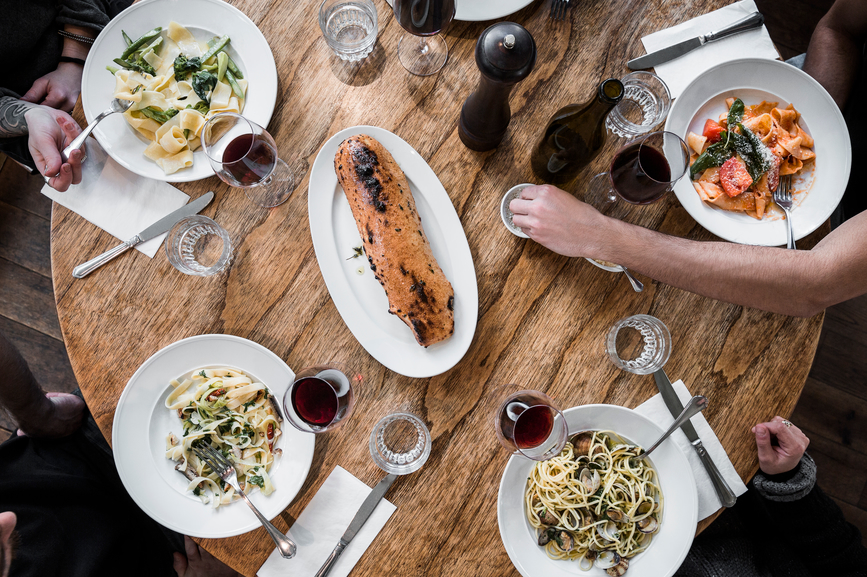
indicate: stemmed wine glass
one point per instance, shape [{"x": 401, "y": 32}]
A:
[
  {"x": 528, "y": 423},
  {"x": 427, "y": 54},
  {"x": 321, "y": 397},
  {"x": 244, "y": 155},
  {"x": 642, "y": 171}
]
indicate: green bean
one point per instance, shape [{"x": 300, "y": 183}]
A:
[
  {"x": 233, "y": 67},
  {"x": 234, "y": 84},
  {"x": 218, "y": 45},
  {"x": 112, "y": 69},
  {"x": 222, "y": 64},
  {"x": 132, "y": 66},
  {"x": 145, "y": 38},
  {"x": 126, "y": 38}
]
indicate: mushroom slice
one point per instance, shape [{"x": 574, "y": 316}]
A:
[
  {"x": 590, "y": 479},
  {"x": 620, "y": 569},
  {"x": 607, "y": 559},
  {"x": 648, "y": 525}
]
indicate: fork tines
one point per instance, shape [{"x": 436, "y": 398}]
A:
[
  {"x": 558, "y": 9},
  {"x": 214, "y": 459}
]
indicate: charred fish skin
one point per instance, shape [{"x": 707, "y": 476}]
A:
[{"x": 397, "y": 250}]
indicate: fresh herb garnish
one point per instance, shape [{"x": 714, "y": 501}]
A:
[{"x": 358, "y": 252}]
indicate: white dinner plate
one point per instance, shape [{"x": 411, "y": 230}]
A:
[
  {"x": 480, "y": 10},
  {"x": 754, "y": 80},
  {"x": 141, "y": 424},
  {"x": 205, "y": 19},
  {"x": 359, "y": 298},
  {"x": 680, "y": 501}
]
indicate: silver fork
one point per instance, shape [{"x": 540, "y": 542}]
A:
[
  {"x": 783, "y": 197},
  {"x": 226, "y": 471},
  {"x": 558, "y": 9}
]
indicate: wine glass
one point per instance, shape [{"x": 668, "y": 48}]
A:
[
  {"x": 321, "y": 398},
  {"x": 529, "y": 423},
  {"x": 424, "y": 19},
  {"x": 641, "y": 172},
  {"x": 244, "y": 155}
]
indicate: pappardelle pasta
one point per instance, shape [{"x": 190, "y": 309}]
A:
[
  {"x": 592, "y": 504},
  {"x": 738, "y": 160},
  {"x": 176, "y": 83},
  {"x": 228, "y": 411}
]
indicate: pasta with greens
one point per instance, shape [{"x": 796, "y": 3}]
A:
[
  {"x": 228, "y": 411},
  {"x": 593, "y": 504}
]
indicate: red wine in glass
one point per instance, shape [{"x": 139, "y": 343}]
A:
[
  {"x": 640, "y": 174},
  {"x": 424, "y": 17},
  {"x": 249, "y": 159},
  {"x": 533, "y": 427},
  {"x": 315, "y": 401}
]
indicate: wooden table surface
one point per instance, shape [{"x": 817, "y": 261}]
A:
[{"x": 542, "y": 317}]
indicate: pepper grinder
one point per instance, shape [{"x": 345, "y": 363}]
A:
[{"x": 505, "y": 55}]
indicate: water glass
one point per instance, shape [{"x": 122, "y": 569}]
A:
[
  {"x": 645, "y": 103},
  {"x": 400, "y": 443},
  {"x": 198, "y": 246},
  {"x": 349, "y": 27},
  {"x": 640, "y": 344}
]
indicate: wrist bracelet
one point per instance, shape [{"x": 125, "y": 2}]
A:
[
  {"x": 72, "y": 60},
  {"x": 78, "y": 37}
]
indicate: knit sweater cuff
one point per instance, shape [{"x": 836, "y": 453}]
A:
[{"x": 797, "y": 487}]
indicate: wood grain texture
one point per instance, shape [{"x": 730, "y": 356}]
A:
[{"x": 542, "y": 317}]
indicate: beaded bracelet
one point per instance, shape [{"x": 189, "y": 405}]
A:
[{"x": 78, "y": 37}]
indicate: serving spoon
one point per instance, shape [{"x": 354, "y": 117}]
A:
[{"x": 117, "y": 105}]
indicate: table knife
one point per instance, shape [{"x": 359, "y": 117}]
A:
[
  {"x": 754, "y": 20},
  {"x": 675, "y": 407},
  {"x": 364, "y": 512},
  {"x": 159, "y": 227}
]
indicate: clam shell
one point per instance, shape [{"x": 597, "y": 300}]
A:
[{"x": 607, "y": 559}]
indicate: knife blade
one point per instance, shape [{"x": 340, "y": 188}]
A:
[
  {"x": 159, "y": 227},
  {"x": 675, "y": 407},
  {"x": 754, "y": 20},
  {"x": 360, "y": 518}
]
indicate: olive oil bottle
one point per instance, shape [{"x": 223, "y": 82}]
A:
[{"x": 575, "y": 135}]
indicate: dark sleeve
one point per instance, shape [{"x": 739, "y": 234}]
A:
[
  {"x": 86, "y": 13},
  {"x": 813, "y": 523}
]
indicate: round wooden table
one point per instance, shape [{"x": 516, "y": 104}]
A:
[{"x": 542, "y": 317}]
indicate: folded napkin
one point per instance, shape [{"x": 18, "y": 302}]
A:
[
  {"x": 321, "y": 525},
  {"x": 708, "y": 503},
  {"x": 117, "y": 200},
  {"x": 678, "y": 73}
]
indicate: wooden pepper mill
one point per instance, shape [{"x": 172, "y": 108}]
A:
[{"x": 505, "y": 55}]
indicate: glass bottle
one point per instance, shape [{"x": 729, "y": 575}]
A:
[{"x": 575, "y": 135}]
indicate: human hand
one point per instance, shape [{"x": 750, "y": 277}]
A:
[
  {"x": 58, "y": 89},
  {"x": 50, "y": 132},
  {"x": 788, "y": 450},
  {"x": 200, "y": 563},
  {"x": 557, "y": 220}
]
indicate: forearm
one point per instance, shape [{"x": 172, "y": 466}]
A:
[
  {"x": 776, "y": 280},
  {"x": 12, "y": 121},
  {"x": 74, "y": 48},
  {"x": 833, "y": 59}
]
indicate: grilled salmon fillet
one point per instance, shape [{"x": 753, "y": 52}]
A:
[{"x": 394, "y": 241}]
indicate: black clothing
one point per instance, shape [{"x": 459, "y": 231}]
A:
[
  {"x": 771, "y": 535},
  {"x": 74, "y": 517}
]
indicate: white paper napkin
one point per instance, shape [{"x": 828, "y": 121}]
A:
[
  {"x": 708, "y": 502},
  {"x": 678, "y": 73},
  {"x": 320, "y": 526},
  {"x": 118, "y": 201}
]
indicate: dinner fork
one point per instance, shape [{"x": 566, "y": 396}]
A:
[
  {"x": 558, "y": 9},
  {"x": 783, "y": 197},
  {"x": 696, "y": 405},
  {"x": 226, "y": 471}
]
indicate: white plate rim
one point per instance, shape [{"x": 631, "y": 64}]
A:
[
  {"x": 405, "y": 356},
  {"x": 261, "y": 100},
  {"x": 521, "y": 463},
  {"x": 140, "y": 488},
  {"x": 766, "y": 233}
]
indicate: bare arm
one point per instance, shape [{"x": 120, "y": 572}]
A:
[
  {"x": 798, "y": 283},
  {"x": 835, "y": 48}
]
